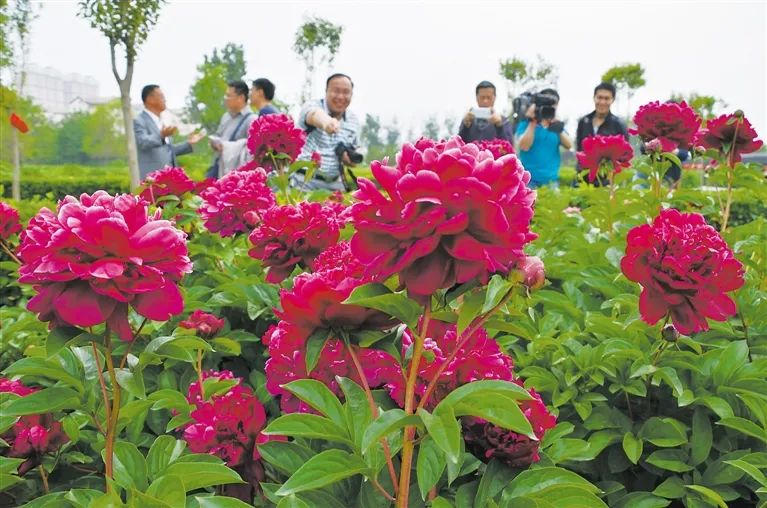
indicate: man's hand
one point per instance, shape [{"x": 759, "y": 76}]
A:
[
  {"x": 530, "y": 113},
  {"x": 346, "y": 160},
  {"x": 168, "y": 131},
  {"x": 468, "y": 119},
  {"x": 332, "y": 126},
  {"x": 496, "y": 119},
  {"x": 194, "y": 138}
]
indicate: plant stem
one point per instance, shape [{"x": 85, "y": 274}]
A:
[
  {"x": 745, "y": 334},
  {"x": 408, "y": 445},
  {"x": 199, "y": 373},
  {"x": 115, "y": 413},
  {"x": 611, "y": 202},
  {"x": 104, "y": 394},
  {"x": 9, "y": 252},
  {"x": 44, "y": 476},
  {"x": 130, "y": 346},
  {"x": 374, "y": 413},
  {"x": 730, "y": 177}
]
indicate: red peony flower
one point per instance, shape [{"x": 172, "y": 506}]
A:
[
  {"x": 487, "y": 441},
  {"x": 274, "y": 135},
  {"x": 236, "y": 202},
  {"x": 316, "y": 158},
  {"x": 453, "y": 214},
  {"x": 685, "y": 269},
  {"x": 287, "y": 362},
  {"x": 9, "y": 221},
  {"x": 720, "y": 133},
  {"x": 168, "y": 181},
  {"x": 614, "y": 151},
  {"x": 498, "y": 147},
  {"x": 293, "y": 235},
  {"x": 480, "y": 358},
  {"x": 98, "y": 255},
  {"x": 18, "y": 123},
  {"x": 32, "y": 436},
  {"x": 207, "y": 325},
  {"x": 669, "y": 122}
]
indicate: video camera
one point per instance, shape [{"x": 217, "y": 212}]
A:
[{"x": 545, "y": 106}]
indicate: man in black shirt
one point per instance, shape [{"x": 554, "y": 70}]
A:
[{"x": 599, "y": 122}]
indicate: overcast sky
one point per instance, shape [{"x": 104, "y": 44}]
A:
[{"x": 411, "y": 60}]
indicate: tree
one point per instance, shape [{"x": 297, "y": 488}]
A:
[
  {"x": 704, "y": 105},
  {"x": 126, "y": 24},
  {"x": 520, "y": 74},
  {"x": 204, "y": 103},
  {"x": 314, "y": 35},
  {"x": 450, "y": 126},
  {"x": 370, "y": 134},
  {"x": 6, "y": 43},
  {"x": 627, "y": 78},
  {"x": 431, "y": 128},
  {"x": 102, "y": 136}
]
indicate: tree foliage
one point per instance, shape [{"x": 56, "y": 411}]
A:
[
  {"x": 312, "y": 37},
  {"x": 520, "y": 74}
]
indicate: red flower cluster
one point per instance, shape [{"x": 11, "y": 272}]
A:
[
  {"x": 453, "y": 213},
  {"x": 98, "y": 255},
  {"x": 168, "y": 181},
  {"x": 685, "y": 269},
  {"x": 293, "y": 235},
  {"x": 287, "y": 362},
  {"x": 32, "y": 436},
  {"x": 9, "y": 221},
  {"x": 487, "y": 441},
  {"x": 236, "y": 202},
  {"x": 498, "y": 147},
  {"x": 207, "y": 325},
  {"x": 614, "y": 151},
  {"x": 480, "y": 358},
  {"x": 673, "y": 124},
  {"x": 272, "y": 135},
  {"x": 721, "y": 132}
]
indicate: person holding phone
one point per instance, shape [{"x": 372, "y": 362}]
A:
[{"x": 483, "y": 122}]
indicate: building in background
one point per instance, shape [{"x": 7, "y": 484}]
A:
[{"x": 55, "y": 91}]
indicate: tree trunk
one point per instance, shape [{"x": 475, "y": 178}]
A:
[
  {"x": 130, "y": 137},
  {"x": 16, "y": 178}
]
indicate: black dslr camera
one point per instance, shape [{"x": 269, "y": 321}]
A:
[
  {"x": 354, "y": 155},
  {"x": 545, "y": 106}
]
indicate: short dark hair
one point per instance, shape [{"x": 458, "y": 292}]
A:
[
  {"x": 550, "y": 91},
  {"x": 484, "y": 84},
  {"x": 338, "y": 75},
  {"x": 240, "y": 88},
  {"x": 605, "y": 86},
  {"x": 147, "y": 91},
  {"x": 265, "y": 85}
]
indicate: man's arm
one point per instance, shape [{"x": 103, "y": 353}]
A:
[
  {"x": 145, "y": 139},
  {"x": 182, "y": 148},
  {"x": 319, "y": 118},
  {"x": 528, "y": 136},
  {"x": 565, "y": 140},
  {"x": 579, "y": 135}
]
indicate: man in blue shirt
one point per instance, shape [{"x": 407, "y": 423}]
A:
[
  {"x": 539, "y": 140},
  {"x": 261, "y": 97}
]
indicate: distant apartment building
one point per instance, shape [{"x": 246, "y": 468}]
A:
[{"x": 55, "y": 91}]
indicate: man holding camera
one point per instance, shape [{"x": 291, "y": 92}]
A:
[
  {"x": 540, "y": 135},
  {"x": 332, "y": 131},
  {"x": 483, "y": 122}
]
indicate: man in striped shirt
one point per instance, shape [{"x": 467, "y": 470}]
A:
[{"x": 327, "y": 123}]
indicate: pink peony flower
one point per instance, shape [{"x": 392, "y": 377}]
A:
[
  {"x": 291, "y": 236},
  {"x": 685, "y": 269},
  {"x": 673, "y": 124},
  {"x": 498, "y": 147},
  {"x": 533, "y": 272},
  {"x": 9, "y": 221},
  {"x": 207, "y": 325},
  {"x": 98, "y": 255},
  {"x": 720, "y": 133},
  {"x": 272, "y": 136},
  {"x": 453, "y": 214},
  {"x": 599, "y": 151},
  {"x": 236, "y": 202},
  {"x": 168, "y": 181},
  {"x": 32, "y": 436}
]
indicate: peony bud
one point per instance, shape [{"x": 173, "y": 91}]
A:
[
  {"x": 535, "y": 274},
  {"x": 670, "y": 333}
]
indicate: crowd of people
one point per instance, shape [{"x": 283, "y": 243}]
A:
[{"x": 332, "y": 131}]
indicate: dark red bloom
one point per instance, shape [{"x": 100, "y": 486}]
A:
[
  {"x": 720, "y": 134},
  {"x": 600, "y": 151},
  {"x": 498, "y": 147},
  {"x": 99, "y": 254},
  {"x": 272, "y": 136},
  {"x": 291, "y": 236},
  {"x": 685, "y": 269},
  {"x": 18, "y": 123},
  {"x": 236, "y": 203},
  {"x": 168, "y": 181},
  {"x": 674, "y": 124},
  {"x": 207, "y": 325},
  {"x": 453, "y": 214},
  {"x": 32, "y": 436},
  {"x": 316, "y": 158},
  {"x": 9, "y": 221}
]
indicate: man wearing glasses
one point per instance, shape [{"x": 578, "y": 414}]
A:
[
  {"x": 332, "y": 131},
  {"x": 234, "y": 125}
]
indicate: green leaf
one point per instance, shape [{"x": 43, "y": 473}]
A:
[
  {"x": 497, "y": 476},
  {"x": 641, "y": 500},
  {"x": 533, "y": 481},
  {"x": 441, "y": 502},
  {"x": 377, "y": 296},
  {"x": 708, "y": 494},
  {"x": 314, "y": 345},
  {"x": 702, "y": 437},
  {"x": 744, "y": 426},
  {"x": 430, "y": 465},
  {"x": 130, "y": 469},
  {"x": 497, "y": 409},
  {"x": 487, "y": 387},
  {"x": 445, "y": 430},
  {"x": 132, "y": 381},
  {"x": 225, "y": 345},
  {"x": 664, "y": 432},
  {"x": 8, "y": 480},
  {"x": 169, "y": 489},
  {"x": 497, "y": 288},
  {"x": 470, "y": 309},
  {"x": 43, "y": 401},
  {"x": 632, "y": 447},
  {"x": 750, "y": 470},
  {"x": 292, "y": 501},
  {"x": 318, "y": 396},
  {"x": 197, "y": 475},
  {"x": 45, "y": 368},
  {"x": 386, "y": 423},
  {"x": 323, "y": 469},
  {"x": 357, "y": 409},
  {"x": 162, "y": 453},
  {"x": 138, "y": 499},
  {"x": 309, "y": 426},
  {"x": 285, "y": 456},
  {"x": 219, "y": 502},
  {"x": 59, "y": 337},
  {"x": 670, "y": 460}
]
